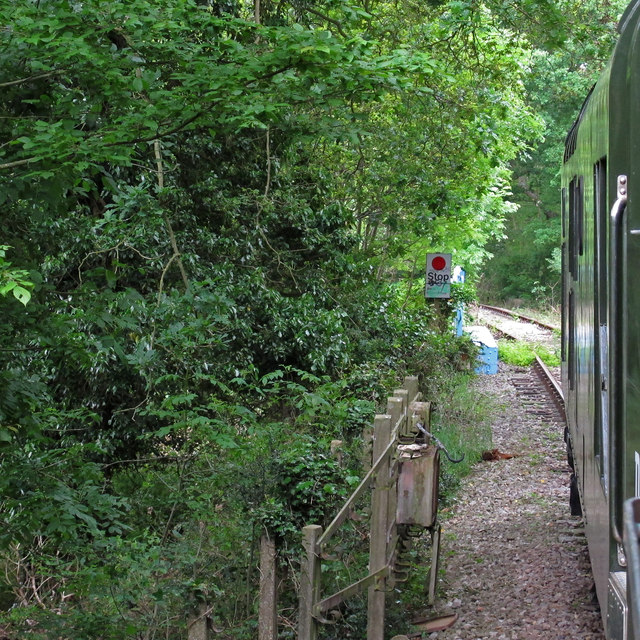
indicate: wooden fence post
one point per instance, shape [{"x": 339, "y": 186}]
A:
[
  {"x": 411, "y": 384},
  {"x": 309, "y": 583},
  {"x": 402, "y": 409},
  {"x": 198, "y": 624},
  {"x": 268, "y": 611},
  {"x": 379, "y": 525},
  {"x": 396, "y": 407}
]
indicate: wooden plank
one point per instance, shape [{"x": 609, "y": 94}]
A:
[
  {"x": 396, "y": 409},
  {"x": 418, "y": 489},
  {"x": 354, "y": 589},
  {"x": 411, "y": 384}
]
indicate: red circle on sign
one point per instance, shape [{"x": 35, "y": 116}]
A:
[{"x": 438, "y": 263}]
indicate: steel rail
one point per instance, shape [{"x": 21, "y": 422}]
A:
[
  {"x": 552, "y": 385},
  {"x": 519, "y": 316}
]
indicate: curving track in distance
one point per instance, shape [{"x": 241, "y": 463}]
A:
[
  {"x": 518, "y": 316},
  {"x": 545, "y": 375}
]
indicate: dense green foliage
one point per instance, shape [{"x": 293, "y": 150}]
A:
[
  {"x": 214, "y": 214},
  {"x": 526, "y": 266}
]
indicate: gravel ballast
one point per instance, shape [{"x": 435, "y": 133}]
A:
[{"x": 514, "y": 562}]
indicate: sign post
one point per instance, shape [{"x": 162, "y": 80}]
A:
[{"x": 438, "y": 282}]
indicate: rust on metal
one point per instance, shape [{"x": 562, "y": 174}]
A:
[{"x": 418, "y": 486}]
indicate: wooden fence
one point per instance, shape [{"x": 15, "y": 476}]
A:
[{"x": 404, "y": 476}]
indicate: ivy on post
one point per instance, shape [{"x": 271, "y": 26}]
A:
[{"x": 309, "y": 583}]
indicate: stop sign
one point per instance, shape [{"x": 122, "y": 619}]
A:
[{"x": 438, "y": 283}]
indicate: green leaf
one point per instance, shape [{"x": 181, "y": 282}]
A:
[{"x": 21, "y": 294}]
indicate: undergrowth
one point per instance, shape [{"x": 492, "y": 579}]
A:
[
  {"x": 523, "y": 354},
  {"x": 461, "y": 421}
]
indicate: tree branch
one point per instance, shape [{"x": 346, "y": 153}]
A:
[
  {"x": 268, "y": 150},
  {"x": 535, "y": 197},
  {"x": 167, "y": 222},
  {"x": 23, "y": 80},
  {"x": 157, "y": 135},
  {"x": 337, "y": 23},
  {"x": 17, "y": 163},
  {"x": 153, "y": 459}
]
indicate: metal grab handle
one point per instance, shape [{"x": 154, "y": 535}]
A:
[
  {"x": 617, "y": 356},
  {"x": 632, "y": 552}
]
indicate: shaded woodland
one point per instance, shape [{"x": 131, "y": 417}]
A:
[{"x": 215, "y": 219}]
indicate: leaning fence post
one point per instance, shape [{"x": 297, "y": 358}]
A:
[
  {"x": 379, "y": 525},
  {"x": 198, "y": 623},
  {"x": 309, "y": 582}
]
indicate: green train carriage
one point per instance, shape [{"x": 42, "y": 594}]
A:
[{"x": 601, "y": 324}]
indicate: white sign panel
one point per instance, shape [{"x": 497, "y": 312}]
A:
[{"x": 438, "y": 275}]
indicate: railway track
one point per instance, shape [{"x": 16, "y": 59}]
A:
[
  {"x": 519, "y": 327},
  {"x": 540, "y": 391},
  {"x": 553, "y": 386},
  {"x": 517, "y": 564},
  {"x": 518, "y": 316}
]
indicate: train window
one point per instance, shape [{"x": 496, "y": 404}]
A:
[
  {"x": 562, "y": 270},
  {"x": 576, "y": 223},
  {"x": 579, "y": 215},
  {"x": 601, "y": 215},
  {"x": 572, "y": 253},
  {"x": 564, "y": 213}
]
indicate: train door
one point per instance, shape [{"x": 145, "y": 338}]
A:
[
  {"x": 601, "y": 310},
  {"x": 629, "y": 249}
]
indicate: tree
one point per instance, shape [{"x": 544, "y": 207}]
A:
[
  {"x": 559, "y": 82},
  {"x": 208, "y": 199}
]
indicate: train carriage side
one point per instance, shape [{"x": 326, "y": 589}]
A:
[
  {"x": 601, "y": 323},
  {"x": 584, "y": 325}
]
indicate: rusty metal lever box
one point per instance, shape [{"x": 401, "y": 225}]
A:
[{"x": 417, "y": 502}]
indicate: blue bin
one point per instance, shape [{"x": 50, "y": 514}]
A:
[{"x": 488, "y": 356}]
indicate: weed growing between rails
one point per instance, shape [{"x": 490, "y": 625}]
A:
[{"x": 523, "y": 354}]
